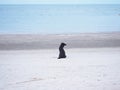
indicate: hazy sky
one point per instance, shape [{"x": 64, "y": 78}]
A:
[{"x": 59, "y": 1}]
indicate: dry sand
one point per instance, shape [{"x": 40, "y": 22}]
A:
[{"x": 83, "y": 69}]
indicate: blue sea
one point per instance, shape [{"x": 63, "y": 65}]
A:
[{"x": 58, "y": 18}]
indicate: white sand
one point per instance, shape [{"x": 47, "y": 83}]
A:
[{"x": 83, "y": 69}]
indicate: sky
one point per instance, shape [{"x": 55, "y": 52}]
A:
[{"x": 59, "y": 1}]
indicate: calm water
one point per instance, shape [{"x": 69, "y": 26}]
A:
[{"x": 59, "y": 18}]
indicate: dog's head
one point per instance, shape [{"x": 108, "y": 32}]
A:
[{"x": 63, "y": 44}]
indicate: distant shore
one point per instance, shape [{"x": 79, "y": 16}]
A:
[{"x": 52, "y": 41}]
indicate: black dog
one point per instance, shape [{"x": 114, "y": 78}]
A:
[{"x": 61, "y": 51}]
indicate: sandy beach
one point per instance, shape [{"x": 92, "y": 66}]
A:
[
  {"x": 29, "y": 62},
  {"x": 83, "y": 69},
  {"x": 52, "y": 41}
]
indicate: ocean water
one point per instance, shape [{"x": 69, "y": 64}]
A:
[{"x": 46, "y": 18}]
